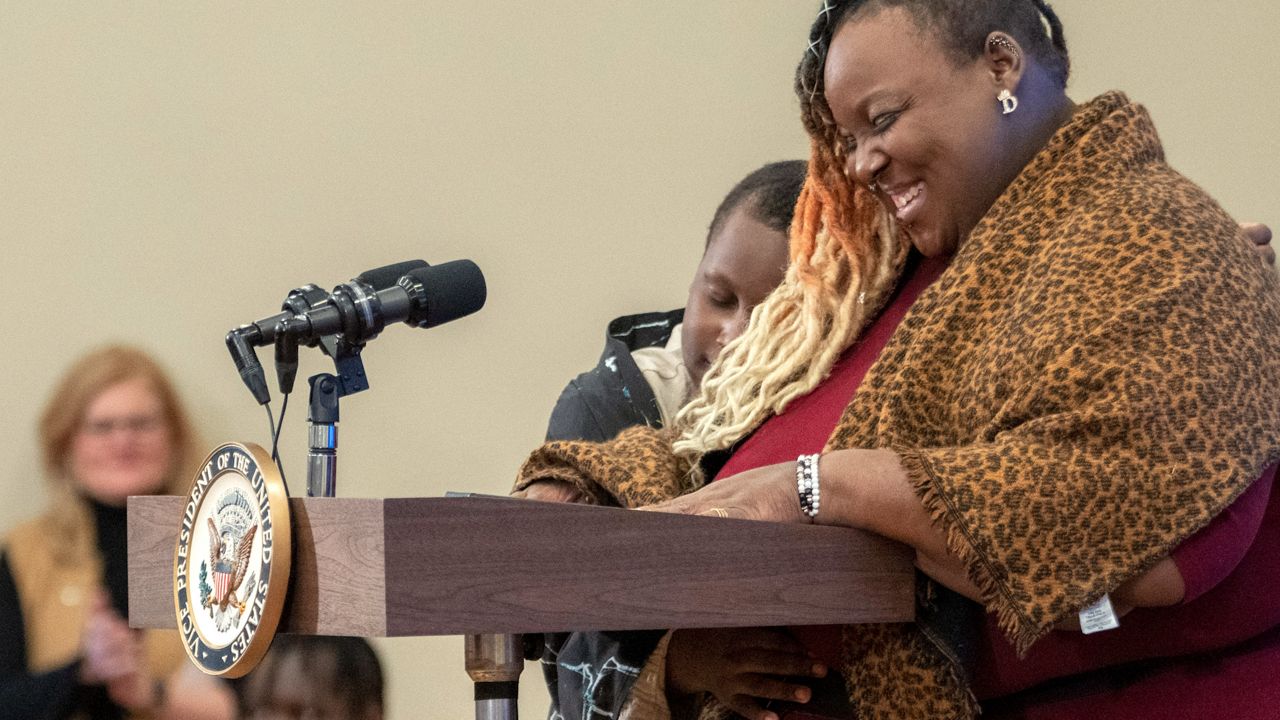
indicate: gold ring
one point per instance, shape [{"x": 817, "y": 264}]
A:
[{"x": 716, "y": 512}]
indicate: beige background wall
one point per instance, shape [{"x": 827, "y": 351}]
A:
[{"x": 170, "y": 170}]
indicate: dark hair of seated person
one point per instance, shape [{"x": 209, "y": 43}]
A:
[
  {"x": 314, "y": 676},
  {"x": 770, "y": 192}
]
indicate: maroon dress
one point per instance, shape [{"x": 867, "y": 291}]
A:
[{"x": 1215, "y": 655}]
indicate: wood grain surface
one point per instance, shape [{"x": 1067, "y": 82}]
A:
[
  {"x": 446, "y": 566},
  {"x": 336, "y": 584},
  {"x": 504, "y": 565},
  {"x": 152, "y": 535}
]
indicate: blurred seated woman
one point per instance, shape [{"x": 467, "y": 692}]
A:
[
  {"x": 1013, "y": 338},
  {"x": 113, "y": 427}
]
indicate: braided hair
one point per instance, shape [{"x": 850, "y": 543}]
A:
[{"x": 845, "y": 247}]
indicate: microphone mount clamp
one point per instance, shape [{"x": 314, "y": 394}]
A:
[{"x": 322, "y": 412}]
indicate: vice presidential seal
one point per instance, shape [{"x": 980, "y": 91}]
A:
[{"x": 231, "y": 565}]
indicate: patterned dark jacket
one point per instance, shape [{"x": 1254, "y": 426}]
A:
[
  {"x": 613, "y": 396},
  {"x": 589, "y": 675}
]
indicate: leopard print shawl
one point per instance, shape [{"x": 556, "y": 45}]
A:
[{"x": 1091, "y": 381}]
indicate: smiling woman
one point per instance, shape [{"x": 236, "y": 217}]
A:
[
  {"x": 1014, "y": 338},
  {"x": 925, "y": 135}
]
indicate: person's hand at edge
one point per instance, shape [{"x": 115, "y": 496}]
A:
[{"x": 741, "y": 667}]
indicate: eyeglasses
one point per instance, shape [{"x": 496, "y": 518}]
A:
[{"x": 135, "y": 424}]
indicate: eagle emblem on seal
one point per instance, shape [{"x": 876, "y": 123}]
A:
[{"x": 230, "y": 551}]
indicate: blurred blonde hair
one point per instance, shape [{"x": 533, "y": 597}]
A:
[{"x": 83, "y": 382}]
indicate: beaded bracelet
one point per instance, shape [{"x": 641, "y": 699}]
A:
[{"x": 807, "y": 485}]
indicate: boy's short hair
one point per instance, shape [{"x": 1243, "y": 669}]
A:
[{"x": 770, "y": 193}]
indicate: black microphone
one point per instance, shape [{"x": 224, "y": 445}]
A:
[
  {"x": 242, "y": 340},
  {"x": 388, "y": 275},
  {"x": 357, "y": 312}
]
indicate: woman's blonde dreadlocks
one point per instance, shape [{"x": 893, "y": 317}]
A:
[{"x": 845, "y": 256}]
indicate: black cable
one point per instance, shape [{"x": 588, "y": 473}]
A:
[
  {"x": 275, "y": 440},
  {"x": 275, "y": 436},
  {"x": 271, "y": 429}
]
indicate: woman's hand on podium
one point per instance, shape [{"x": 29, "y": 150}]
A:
[
  {"x": 764, "y": 493},
  {"x": 551, "y": 491}
]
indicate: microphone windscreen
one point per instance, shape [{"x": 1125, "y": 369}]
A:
[
  {"x": 386, "y": 277},
  {"x": 451, "y": 290}
]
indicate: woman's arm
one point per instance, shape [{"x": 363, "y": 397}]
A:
[
  {"x": 1207, "y": 558},
  {"x": 870, "y": 489}
]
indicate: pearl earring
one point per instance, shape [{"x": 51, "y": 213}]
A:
[{"x": 1008, "y": 101}]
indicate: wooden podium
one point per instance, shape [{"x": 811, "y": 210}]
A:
[{"x": 453, "y": 566}]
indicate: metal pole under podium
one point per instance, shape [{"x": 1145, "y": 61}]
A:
[{"x": 494, "y": 663}]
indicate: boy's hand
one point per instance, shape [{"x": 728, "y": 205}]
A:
[
  {"x": 741, "y": 667},
  {"x": 551, "y": 491}
]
